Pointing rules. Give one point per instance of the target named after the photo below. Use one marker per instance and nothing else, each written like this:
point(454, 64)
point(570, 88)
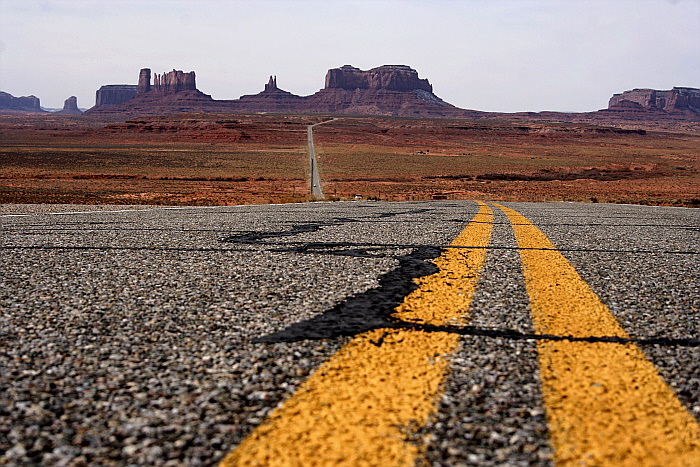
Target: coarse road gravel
point(127, 333)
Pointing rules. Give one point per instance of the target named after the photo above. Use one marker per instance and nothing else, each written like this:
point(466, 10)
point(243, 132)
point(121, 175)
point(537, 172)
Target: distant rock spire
point(144, 85)
point(271, 84)
point(70, 106)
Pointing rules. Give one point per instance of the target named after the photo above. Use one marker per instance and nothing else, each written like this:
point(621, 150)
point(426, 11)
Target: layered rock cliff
point(166, 83)
point(391, 90)
point(173, 82)
point(678, 99)
point(10, 103)
point(385, 90)
point(400, 78)
point(111, 95)
point(171, 92)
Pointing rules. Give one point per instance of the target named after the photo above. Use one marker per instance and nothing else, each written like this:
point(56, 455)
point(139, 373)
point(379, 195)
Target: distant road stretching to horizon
point(316, 190)
point(313, 164)
point(449, 332)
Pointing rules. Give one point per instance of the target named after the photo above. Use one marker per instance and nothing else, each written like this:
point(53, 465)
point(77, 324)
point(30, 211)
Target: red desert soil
point(216, 159)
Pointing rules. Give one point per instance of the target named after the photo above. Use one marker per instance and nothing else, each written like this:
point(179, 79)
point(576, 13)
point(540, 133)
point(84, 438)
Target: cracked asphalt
point(164, 336)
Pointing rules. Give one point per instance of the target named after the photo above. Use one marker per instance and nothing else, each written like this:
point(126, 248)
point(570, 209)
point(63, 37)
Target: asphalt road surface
point(447, 333)
point(316, 190)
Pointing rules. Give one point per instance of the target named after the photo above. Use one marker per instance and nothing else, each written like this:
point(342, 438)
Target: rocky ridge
point(676, 99)
point(388, 90)
point(10, 103)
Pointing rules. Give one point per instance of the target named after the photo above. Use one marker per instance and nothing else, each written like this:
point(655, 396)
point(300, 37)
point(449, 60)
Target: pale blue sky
point(493, 55)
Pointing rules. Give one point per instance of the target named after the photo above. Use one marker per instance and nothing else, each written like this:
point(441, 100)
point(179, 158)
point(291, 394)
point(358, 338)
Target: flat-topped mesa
point(23, 104)
point(388, 77)
point(110, 95)
point(678, 98)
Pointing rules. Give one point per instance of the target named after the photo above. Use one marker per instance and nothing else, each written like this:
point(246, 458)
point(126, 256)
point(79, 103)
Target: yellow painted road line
point(360, 407)
point(606, 403)
point(444, 297)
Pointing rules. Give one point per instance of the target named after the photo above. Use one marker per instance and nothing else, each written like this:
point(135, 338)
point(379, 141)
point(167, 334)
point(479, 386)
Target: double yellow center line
point(606, 404)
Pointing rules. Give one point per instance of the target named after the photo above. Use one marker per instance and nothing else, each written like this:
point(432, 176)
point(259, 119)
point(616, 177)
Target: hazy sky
point(493, 55)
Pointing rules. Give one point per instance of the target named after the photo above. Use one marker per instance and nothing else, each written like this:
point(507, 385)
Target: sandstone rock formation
point(385, 90)
point(166, 83)
point(111, 95)
point(271, 99)
point(174, 81)
point(144, 85)
point(390, 90)
point(673, 100)
point(390, 77)
point(10, 103)
point(170, 92)
point(70, 107)
point(271, 84)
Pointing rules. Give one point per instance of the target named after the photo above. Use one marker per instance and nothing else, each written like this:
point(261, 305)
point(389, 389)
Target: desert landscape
point(350, 233)
point(218, 159)
point(164, 142)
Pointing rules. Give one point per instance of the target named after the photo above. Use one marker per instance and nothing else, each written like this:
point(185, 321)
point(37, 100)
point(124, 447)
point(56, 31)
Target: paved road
point(167, 336)
point(316, 190)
